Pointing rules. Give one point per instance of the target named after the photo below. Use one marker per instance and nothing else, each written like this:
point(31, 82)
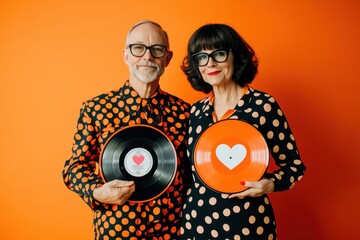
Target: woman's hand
point(114, 192)
point(256, 189)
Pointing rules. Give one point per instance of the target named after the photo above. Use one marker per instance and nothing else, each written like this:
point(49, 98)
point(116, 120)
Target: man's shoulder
point(104, 97)
point(175, 100)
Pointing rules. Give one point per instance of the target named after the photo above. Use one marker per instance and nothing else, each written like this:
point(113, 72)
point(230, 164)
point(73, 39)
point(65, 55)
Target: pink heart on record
point(138, 159)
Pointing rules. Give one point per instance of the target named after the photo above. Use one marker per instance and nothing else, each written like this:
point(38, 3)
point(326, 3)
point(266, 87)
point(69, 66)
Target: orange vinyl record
point(229, 152)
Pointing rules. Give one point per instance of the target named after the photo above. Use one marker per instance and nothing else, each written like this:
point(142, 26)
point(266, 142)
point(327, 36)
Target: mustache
point(147, 64)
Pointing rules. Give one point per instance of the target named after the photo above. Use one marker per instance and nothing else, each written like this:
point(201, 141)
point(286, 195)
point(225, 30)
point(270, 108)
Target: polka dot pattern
point(218, 217)
point(99, 118)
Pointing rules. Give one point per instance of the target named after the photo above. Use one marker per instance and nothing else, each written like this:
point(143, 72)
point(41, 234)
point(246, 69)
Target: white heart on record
point(231, 157)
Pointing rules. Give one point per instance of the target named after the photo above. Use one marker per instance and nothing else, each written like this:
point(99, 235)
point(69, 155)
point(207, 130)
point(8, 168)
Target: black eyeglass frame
point(150, 49)
point(210, 55)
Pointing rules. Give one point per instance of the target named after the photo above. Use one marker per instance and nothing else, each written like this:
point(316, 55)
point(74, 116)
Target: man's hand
point(114, 192)
point(256, 189)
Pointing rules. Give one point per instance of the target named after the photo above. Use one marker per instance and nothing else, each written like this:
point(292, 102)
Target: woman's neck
point(226, 98)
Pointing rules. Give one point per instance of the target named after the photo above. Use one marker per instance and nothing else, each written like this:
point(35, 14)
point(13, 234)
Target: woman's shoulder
point(260, 96)
point(200, 104)
point(259, 93)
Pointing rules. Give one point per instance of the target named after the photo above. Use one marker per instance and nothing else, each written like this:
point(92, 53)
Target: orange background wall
point(56, 54)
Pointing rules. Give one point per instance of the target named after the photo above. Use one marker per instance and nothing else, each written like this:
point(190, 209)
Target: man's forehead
point(147, 31)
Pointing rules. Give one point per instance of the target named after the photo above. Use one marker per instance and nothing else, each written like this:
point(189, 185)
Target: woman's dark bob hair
point(216, 36)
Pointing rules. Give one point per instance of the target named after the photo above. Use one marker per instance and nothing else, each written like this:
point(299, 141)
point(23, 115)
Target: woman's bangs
point(208, 40)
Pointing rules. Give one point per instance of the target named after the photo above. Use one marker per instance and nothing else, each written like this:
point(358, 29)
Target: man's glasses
point(156, 50)
point(218, 56)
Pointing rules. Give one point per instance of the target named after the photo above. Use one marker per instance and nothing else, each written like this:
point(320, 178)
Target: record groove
point(228, 152)
point(143, 154)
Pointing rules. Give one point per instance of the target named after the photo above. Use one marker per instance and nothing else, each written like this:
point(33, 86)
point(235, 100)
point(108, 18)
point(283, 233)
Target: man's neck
point(145, 90)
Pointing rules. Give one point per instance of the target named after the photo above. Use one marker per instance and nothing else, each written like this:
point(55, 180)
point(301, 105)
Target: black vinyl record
point(142, 154)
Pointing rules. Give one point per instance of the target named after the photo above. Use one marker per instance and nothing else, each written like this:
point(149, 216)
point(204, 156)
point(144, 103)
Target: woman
point(221, 63)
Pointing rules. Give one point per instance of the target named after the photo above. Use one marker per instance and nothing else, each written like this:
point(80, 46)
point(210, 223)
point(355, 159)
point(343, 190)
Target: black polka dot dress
point(208, 214)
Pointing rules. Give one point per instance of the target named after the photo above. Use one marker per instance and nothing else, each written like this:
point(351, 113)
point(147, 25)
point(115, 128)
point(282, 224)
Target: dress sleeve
point(81, 171)
point(282, 146)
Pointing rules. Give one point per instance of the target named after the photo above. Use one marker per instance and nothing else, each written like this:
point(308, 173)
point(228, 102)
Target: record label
point(229, 152)
point(138, 162)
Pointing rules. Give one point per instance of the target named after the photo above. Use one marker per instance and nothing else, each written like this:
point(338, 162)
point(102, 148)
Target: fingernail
point(242, 183)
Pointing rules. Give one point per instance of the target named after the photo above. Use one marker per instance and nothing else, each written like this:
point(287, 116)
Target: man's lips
point(214, 73)
point(146, 66)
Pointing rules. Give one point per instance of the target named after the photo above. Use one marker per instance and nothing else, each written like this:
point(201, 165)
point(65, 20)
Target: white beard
point(149, 75)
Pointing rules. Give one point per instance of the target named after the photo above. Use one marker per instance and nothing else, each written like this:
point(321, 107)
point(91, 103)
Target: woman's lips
point(213, 73)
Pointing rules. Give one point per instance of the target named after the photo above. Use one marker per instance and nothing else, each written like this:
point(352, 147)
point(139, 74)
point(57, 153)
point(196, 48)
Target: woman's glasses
point(218, 56)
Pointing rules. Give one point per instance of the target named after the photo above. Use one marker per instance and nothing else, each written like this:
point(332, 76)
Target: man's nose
point(147, 54)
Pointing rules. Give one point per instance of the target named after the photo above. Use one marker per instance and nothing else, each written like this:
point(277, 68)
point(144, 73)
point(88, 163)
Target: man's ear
point(168, 57)
point(125, 55)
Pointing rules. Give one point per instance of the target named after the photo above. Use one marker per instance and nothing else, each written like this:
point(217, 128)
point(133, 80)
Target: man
point(139, 101)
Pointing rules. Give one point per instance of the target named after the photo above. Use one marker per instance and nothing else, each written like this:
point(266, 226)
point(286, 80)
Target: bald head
point(148, 22)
